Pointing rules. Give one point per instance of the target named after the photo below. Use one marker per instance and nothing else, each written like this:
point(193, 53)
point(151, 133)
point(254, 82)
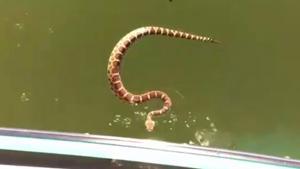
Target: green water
point(240, 95)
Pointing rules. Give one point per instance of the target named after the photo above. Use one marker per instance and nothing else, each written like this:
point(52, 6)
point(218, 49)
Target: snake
point(114, 68)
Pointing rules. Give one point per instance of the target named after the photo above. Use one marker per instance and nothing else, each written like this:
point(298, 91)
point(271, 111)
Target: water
point(241, 95)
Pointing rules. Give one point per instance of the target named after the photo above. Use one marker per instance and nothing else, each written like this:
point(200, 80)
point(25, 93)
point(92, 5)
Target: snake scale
point(117, 55)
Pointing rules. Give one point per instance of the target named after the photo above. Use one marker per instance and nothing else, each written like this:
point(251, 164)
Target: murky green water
point(242, 95)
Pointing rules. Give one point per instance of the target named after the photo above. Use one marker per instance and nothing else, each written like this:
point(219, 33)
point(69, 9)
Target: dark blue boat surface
point(21, 148)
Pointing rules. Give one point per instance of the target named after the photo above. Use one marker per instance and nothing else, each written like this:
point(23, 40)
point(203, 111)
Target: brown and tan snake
point(115, 59)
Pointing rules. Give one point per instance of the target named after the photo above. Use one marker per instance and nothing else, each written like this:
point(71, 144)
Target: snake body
point(117, 55)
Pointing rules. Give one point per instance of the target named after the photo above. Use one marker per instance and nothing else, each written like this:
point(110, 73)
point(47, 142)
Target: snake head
point(149, 123)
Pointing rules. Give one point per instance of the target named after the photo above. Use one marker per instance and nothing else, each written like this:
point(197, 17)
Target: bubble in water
point(205, 143)
point(173, 117)
point(24, 97)
point(203, 137)
point(191, 142)
point(207, 118)
point(18, 45)
point(117, 118)
point(19, 26)
point(212, 125)
point(126, 122)
point(214, 129)
point(140, 115)
point(198, 136)
point(50, 30)
point(190, 121)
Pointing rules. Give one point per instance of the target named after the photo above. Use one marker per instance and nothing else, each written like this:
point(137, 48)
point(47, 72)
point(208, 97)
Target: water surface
point(241, 95)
